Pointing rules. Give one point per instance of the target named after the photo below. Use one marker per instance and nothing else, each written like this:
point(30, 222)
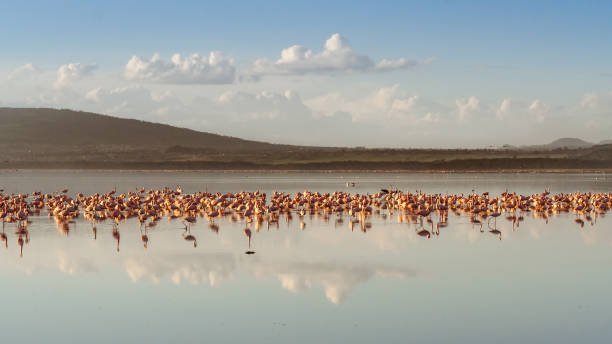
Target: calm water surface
point(544, 282)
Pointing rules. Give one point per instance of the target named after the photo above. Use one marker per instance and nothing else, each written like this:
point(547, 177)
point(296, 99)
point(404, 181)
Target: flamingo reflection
point(247, 232)
point(116, 235)
point(3, 237)
point(144, 237)
point(20, 243)
point(496, 232)
point(189, 237)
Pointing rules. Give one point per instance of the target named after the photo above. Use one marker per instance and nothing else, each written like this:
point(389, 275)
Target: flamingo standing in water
point(212, 215)
point(476, 221)
point(3, 214)
point(189, 220)
point(253, 208)
point(495, 215)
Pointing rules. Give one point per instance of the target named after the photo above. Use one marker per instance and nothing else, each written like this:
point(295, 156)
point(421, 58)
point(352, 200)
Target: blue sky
point(554, 52)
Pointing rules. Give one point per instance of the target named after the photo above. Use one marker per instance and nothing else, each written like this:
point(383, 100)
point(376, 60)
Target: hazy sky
point(398, 74)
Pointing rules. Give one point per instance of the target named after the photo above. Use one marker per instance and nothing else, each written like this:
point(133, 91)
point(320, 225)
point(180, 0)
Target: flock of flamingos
point(428, 212)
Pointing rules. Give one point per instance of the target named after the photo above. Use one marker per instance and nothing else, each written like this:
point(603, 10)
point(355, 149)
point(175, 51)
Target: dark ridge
point(569, 142)
point(563, 143)
point(42, 126)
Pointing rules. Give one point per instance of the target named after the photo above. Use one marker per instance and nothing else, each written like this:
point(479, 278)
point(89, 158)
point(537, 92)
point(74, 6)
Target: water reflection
point(67, 263)
point(201, 268)
point(323, 279)
point(337, 280)
point(3, 237)
point(301, 238)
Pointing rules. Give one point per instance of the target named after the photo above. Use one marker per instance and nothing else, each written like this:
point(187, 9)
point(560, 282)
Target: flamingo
point(495, 215)
point(475, 221)
point(190, 220)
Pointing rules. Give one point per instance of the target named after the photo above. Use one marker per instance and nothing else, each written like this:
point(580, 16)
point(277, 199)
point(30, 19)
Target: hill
point(562, 143)
point(66, 139)
point(41, 126)
point(569, 142)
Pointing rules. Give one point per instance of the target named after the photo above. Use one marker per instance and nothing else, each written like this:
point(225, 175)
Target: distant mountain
point(566, 142)
point(569, 142)
point(52, 127)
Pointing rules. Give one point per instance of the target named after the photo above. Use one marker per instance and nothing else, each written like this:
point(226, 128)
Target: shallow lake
point(545, 281)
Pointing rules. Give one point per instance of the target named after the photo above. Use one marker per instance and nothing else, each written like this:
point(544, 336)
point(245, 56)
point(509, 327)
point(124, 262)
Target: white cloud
point(119, 99)
point(352, 116)
point(216, 68)
point(268, 116)
point(386, 105)
point(23, 72)
point(504, 109)
point(389, 65)
point(68, 73)
point(263, 105)
point(278, 117)
point(337, 56)
point(589, 101)
point(600, 103)
point(539, 110)
point(135, 102)
point(595, 112)
point(466, 107)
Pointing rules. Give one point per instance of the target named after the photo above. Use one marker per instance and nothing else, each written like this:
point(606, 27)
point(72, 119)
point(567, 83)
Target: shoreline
point(320, 171)
point(481, 165)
